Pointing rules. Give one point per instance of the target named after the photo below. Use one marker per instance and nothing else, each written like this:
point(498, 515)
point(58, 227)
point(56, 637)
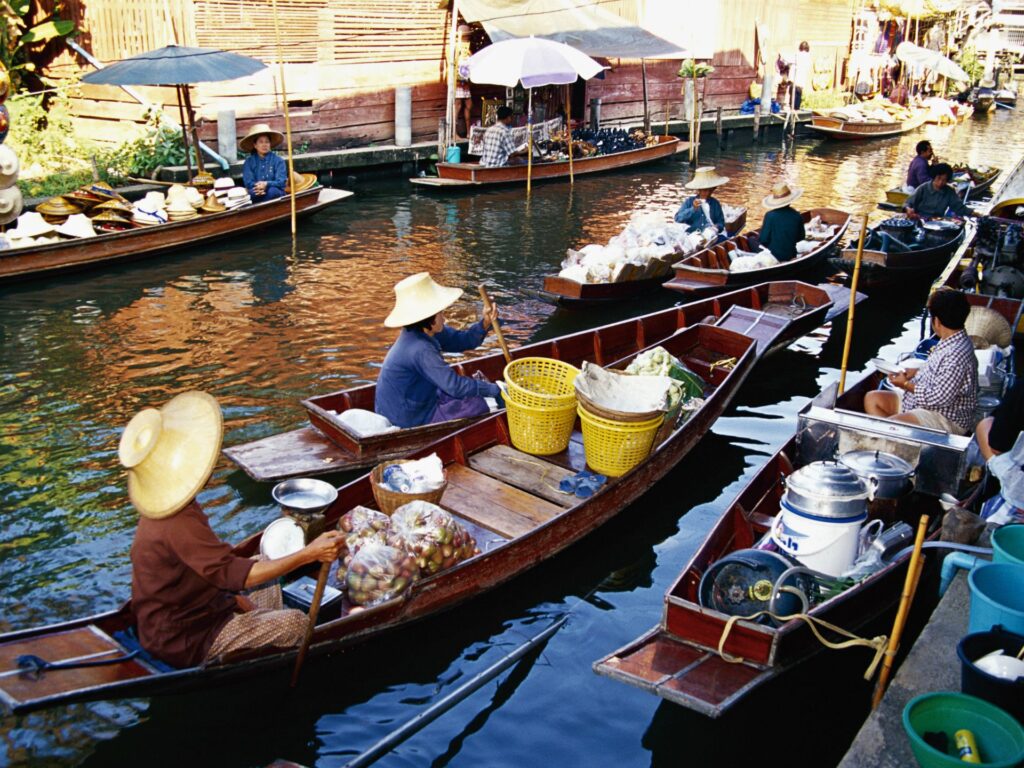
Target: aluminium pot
point(826, 489)
point(886, 475)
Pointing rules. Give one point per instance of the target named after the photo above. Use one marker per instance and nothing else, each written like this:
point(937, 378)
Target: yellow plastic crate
point(615, 447)
point(539, 431)
point(540, 382)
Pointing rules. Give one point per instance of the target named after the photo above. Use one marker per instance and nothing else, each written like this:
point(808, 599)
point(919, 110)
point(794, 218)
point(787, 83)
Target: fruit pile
point(378, 572)
point(360, 526)
point(431, 535)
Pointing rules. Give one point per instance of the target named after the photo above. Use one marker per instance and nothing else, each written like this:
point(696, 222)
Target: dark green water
point(260, 327)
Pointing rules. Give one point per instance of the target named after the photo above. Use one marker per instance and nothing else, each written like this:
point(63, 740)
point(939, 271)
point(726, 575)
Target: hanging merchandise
point(11, 202)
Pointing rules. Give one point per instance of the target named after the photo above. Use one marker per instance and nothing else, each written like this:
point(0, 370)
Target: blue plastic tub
point(1008, 544)
point(453, 155)
point(997, 597)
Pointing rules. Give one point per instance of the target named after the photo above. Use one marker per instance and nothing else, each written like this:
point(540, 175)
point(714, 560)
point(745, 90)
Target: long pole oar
point(909, 590)
point(497, 326)
point(314, 611)
point(853, 302)
point(287, 121)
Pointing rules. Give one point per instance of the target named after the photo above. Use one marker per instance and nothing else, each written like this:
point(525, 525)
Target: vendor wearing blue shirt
point(919, 171)
point(691, 213)
point(783, 226)
point(264, 173)
point(416, 386)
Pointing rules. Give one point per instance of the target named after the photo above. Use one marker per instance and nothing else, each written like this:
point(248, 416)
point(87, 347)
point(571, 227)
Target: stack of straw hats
point(57, 209)
point(179, 203)
point(237, 197)
point(150, 210)
point(32, 229)
point(77, 225)
point(10, 196)
point(112, 221)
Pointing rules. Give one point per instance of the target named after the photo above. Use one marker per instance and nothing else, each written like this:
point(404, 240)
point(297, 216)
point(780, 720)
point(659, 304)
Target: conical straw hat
point(301, 182)
point(706, 178)
point(418, 297)
point(986, 323)
point(170, 453)
point(781, 196)
point(246, 142)
point(77, 225)
point(30, 224)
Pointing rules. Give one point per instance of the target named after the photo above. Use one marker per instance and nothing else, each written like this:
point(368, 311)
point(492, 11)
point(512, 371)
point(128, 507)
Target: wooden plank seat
point(528, 473)
point(508, 510)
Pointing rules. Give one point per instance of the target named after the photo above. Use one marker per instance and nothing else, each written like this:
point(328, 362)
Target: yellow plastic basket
point(615, 447)
point(540, 431)
point(540, 382)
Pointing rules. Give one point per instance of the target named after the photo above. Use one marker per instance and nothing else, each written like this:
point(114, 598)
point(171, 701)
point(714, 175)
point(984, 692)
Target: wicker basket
point(988, 324)
point(388, 501)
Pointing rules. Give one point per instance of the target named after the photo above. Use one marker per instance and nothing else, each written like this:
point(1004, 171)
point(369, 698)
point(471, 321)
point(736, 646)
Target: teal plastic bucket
point(1008, 544)
point(997, 597)
point(453, 155)
point(999, 737)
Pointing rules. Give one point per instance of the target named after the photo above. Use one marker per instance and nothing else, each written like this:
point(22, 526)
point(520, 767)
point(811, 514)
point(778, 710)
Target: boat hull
point(847, 130)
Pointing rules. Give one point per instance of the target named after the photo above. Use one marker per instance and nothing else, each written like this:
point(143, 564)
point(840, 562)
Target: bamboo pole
point(287, 125)
point(853, 302)
point(666, 117)
point(568, 133)
point(452, 74)
point(693, 118)
point(497, 327)
point(184, 133)
point(190, 113)
point(647, 110)
point(529, 140)
point(914, 569)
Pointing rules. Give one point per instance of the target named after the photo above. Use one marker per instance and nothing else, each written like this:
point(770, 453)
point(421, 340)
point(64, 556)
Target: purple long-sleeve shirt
point(918, 174)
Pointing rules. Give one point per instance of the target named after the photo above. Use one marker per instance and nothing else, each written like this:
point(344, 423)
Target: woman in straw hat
point(783, 226)
point(416, 386)
point(264, 173)
point(701, 210)
point(187, 583)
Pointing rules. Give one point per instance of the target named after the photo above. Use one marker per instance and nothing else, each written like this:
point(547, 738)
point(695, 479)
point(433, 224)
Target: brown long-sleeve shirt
point(183, 584)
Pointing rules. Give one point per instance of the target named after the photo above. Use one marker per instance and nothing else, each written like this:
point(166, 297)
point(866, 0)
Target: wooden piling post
point(718, 126)
point(757, 123)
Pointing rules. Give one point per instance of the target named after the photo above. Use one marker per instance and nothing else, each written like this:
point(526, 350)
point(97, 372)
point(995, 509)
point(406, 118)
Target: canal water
point(261, 326)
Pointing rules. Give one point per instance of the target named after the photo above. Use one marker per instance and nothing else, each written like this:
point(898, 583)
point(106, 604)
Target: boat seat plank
point(714, 680)
point(528, 473)
point(304, 451)
point(657, 659)
point(494, 505)
point(87, 641)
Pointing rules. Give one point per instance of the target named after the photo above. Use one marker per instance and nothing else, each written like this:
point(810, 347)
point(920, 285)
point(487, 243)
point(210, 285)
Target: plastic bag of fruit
point(378, 573)
point(359, 526)
point(431, 535)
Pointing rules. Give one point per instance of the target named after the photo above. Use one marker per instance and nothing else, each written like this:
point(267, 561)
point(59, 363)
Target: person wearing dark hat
point(783, 226)
point(498, 147)
point(187, 584)
point(936, 197)
point(416, 386)
point(918, 172)
point(942, 394)
point(264, 173)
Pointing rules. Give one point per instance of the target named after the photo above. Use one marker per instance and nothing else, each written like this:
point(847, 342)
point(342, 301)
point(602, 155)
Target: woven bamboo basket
point(388, 501)
point(989, 325)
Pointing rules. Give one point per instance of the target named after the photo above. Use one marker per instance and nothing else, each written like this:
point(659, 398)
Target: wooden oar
point(497, 326)
point(853, 302)
point(314, 610)
point(909, 590)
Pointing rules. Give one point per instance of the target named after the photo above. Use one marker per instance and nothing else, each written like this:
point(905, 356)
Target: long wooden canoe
point(706, 272)
point(678, 659)
point(572, 295)
point(1010, 195)
point(463, 175)
point(880, 270)
point(852, 130)
point(328, 446)
point(142, 243)
point(506, 499)
point(974, 187)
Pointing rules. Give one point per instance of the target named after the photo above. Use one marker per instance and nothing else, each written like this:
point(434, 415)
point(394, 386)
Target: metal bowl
point(304, 495)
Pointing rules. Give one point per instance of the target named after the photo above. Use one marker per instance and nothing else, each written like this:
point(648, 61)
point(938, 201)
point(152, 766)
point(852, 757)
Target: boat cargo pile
point(873, 119)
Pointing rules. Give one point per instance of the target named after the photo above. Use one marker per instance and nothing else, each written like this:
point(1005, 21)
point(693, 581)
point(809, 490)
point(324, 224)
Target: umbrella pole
point(190, 113)
point(568, 128)
point(184, 133)
point(288, 137)
point(529, 138)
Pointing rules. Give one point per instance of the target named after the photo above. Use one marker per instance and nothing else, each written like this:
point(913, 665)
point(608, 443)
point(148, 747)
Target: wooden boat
point(678, 659)
point(142, 243)
point(983, 101)
point(706, 272)
point(880, 270)
point(461, 175)
point(838, 128)
point(506, 499)
point(1010, 195)
point(572, 295)
point(976, 186)
point(328, 446)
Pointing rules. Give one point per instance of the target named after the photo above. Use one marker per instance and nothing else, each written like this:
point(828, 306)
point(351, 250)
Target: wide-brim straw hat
point(706, 178)
point(170, 453)
point(153, 199)
point(225, 182)
point(57, 207)
point(77, 225)
point(116, 206)
point(83, 199)
point(418, 297)
point(177, 192)
point(301, 182)
point(246, 142)
point(102, 189)
point(11, 204)
point(987, 83)
point(781, 196)
point(30, 224)
point(9, 166)
point(986, 323)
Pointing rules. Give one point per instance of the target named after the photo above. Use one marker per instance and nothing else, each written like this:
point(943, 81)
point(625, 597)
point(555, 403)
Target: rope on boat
point(879, 643)
point(726, 364)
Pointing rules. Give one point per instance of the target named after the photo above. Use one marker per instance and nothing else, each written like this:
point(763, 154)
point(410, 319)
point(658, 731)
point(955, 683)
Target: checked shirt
point(498, 145)
point(948, 382)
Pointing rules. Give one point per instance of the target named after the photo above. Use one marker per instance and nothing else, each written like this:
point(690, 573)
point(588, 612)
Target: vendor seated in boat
point(918, 172)
point(936, 197)
point(943, 393)
point(783, 226)
point(416, 386)
point(997, 433)
point(498, 146)
point(187, 586)
point(701, 210)
point(264, 173)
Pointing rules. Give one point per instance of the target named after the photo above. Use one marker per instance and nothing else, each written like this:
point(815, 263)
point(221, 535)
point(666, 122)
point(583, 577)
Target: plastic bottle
point(396, 479)
point(966, 748)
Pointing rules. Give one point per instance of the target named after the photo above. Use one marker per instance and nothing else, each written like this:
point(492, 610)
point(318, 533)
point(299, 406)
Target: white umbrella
point(532, 61)
point(926, 58)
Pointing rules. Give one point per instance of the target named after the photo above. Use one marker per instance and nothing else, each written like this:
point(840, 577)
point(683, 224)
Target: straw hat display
point(212, 204)
point(11, 204)
point(112, 221)
point(9, 166)
point(706, 178)
point(30, 224)
point(246, 142)
point(150, 210)
point(986, 324)
point(418, 297)
point(117, 206)
point(237, 197)
point(202, 182)
point(83, 199)
point(57, 209)
point(781, 196)
point(102, 190)
point(180, 209)
point(223, 184)
point(170, 453)
point(77, 225)
point(301, 182)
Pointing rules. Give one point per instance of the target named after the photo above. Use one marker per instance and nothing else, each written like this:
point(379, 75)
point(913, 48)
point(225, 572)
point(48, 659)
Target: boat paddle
point(314, 610)
point(497, 326)
point(853, 302)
